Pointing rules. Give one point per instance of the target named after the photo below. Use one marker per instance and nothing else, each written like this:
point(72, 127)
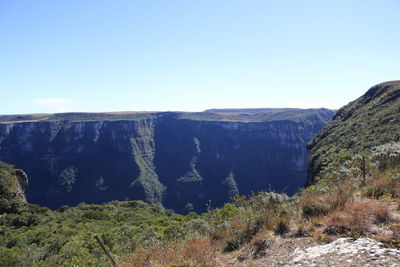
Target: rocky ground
point(343, 252)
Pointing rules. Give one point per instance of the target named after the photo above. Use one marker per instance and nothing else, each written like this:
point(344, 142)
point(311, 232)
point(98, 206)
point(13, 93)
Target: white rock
point(343, 246)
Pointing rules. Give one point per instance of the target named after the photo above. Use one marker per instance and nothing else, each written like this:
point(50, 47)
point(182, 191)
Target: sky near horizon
point(97, 55)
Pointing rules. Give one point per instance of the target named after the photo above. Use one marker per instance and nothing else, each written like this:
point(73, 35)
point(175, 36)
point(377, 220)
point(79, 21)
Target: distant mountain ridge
point(240, 115)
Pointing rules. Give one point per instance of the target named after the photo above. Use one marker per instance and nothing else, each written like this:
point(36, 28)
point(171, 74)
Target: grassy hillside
point(371, 120)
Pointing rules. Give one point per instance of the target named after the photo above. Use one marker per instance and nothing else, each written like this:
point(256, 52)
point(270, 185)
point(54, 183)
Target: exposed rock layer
point(179, 160)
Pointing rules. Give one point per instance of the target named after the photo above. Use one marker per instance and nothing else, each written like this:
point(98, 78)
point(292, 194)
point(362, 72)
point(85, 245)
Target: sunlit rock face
point(182, 161)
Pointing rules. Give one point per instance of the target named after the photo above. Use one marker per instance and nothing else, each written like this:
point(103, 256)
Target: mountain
point(180, 160)
point(369, 121)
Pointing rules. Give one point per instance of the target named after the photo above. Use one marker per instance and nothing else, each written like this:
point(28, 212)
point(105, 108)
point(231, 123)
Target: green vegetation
point(34, 235)
point(192, 175)
point(356, 193)
point(164, 158)
point(370, 121)
point(143, 151)
point(67, 178)
point(232, 186)
point(351, 198)
point(9, 183)
point(30, 234)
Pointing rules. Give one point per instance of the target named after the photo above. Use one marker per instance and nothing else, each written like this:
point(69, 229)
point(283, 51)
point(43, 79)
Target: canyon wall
point(182, 161)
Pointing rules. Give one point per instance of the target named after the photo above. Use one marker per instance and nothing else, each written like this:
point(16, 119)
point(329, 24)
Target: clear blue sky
point(192, 55)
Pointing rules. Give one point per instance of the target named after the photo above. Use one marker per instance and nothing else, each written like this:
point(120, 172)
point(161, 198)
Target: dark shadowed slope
point(176, 159)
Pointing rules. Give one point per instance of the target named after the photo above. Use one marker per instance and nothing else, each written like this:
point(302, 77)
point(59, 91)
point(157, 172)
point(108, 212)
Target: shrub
point(9, 206)
point(198, 226)
point(95, 215)
point(383, 185)
point(267, 201)
point(65, 237)
point(240, 231)
point(67, 178)
point(316, 205)
point(9, 257)
point(387, 155)
point(257, 248)
point(175, 232)
point(358, 217)
point(342, 194)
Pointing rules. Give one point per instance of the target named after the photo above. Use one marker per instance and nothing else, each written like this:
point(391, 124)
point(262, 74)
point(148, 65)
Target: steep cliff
point(369, 121)
point(178, 160)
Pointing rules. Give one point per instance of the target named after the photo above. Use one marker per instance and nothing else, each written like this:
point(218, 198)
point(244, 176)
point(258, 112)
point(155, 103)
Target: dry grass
point(303, 229)
point(241, 231)
point(195, 252)
point(342, 194)
point(383, 185)
point(315, 205)
point(282, 225)
point(257, 247)
point(357, 217)
point(322, 204)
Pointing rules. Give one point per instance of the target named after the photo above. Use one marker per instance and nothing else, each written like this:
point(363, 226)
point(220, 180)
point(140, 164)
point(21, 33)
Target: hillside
point(181, 161)
point(371, 120)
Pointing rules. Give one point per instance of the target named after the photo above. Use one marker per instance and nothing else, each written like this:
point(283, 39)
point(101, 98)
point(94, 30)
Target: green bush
point(65, 237)
point(9, 257)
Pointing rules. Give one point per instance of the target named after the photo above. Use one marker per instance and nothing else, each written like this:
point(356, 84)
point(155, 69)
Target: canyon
point(179, 160)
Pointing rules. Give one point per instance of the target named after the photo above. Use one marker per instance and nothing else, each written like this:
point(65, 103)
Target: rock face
point(178, 160)
point(346, 252)
point(369, 121)
point(305, 252)
point(22, 184)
